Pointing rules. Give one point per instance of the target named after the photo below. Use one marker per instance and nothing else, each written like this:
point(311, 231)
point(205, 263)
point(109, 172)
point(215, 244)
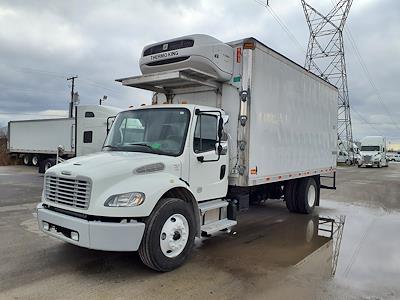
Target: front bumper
point(369, 164)
point(97, 235)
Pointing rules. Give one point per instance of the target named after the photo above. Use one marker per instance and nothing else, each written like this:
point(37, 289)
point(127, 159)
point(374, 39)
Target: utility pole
point(71, 104)
point(325, 57)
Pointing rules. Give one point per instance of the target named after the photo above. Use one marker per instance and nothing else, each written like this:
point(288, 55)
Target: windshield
point(369, 148)
point(154, 130)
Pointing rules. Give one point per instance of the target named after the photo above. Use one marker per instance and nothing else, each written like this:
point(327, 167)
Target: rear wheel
point(169, 235)
point(26, 159)
point(48, 163)
point(307, 195)
point(35, 160)
point(290, 195)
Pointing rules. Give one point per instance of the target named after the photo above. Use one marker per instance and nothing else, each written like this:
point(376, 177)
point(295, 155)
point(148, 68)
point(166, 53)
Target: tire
point(359, 166)
point(171, 219)
point(348, 162)
point(307, 196)
point(379, 164)
point(26, 159)
point(35, 160)
point(290, 195)
point(48, 163)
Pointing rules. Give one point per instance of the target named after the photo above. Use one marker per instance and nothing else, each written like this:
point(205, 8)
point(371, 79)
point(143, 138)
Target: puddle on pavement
point(342, 251)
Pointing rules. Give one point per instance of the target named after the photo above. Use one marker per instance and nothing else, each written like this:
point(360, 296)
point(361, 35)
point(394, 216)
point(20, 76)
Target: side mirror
point(110, 121)
point(221, 148)
point(220, 128)
point(60, 150)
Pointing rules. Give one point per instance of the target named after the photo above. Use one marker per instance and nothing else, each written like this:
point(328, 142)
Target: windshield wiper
point(110, 146)
point(154, 150)
point(141, 144)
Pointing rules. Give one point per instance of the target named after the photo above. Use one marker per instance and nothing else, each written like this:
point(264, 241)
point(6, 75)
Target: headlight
point(125, 200)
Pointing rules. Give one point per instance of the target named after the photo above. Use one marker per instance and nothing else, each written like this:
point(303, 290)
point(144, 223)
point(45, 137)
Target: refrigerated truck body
point(230, 124)
point(36, 141)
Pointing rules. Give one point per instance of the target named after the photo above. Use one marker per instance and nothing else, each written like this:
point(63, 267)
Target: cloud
point(44, 42)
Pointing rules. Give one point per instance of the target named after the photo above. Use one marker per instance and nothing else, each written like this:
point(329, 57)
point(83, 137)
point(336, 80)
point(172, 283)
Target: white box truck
point(230, 124)
point(373, 152)
point(36, 141)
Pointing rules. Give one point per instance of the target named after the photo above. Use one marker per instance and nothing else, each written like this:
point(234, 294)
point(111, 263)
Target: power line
point(365, 121)
point(368, 74)
point(30, 114)
point(87, 81)
point(281, 23)
point(369, 78)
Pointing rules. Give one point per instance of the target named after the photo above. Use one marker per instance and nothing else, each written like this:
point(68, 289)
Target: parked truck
point(36, 141)
point(230, 124)
point(373, 152)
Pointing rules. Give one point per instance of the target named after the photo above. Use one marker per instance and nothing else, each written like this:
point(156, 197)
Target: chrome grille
point(367, 158)
point(74, 192)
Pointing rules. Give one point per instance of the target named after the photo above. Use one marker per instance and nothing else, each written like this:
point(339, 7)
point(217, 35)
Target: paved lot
point(270, 254)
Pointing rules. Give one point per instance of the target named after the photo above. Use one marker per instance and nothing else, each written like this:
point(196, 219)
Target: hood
point(113, 164)
point(371, 153)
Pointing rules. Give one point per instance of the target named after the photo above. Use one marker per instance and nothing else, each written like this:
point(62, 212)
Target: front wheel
point(169, 235)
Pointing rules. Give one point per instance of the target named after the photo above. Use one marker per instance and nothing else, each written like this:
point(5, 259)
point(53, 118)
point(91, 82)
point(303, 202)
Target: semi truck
point(230, 124)
point(36, 141)
point(373, 152)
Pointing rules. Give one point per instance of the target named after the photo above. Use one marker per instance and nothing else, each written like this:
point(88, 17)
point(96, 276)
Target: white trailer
point(230, 124)
point(373, 152)
point(36, 141)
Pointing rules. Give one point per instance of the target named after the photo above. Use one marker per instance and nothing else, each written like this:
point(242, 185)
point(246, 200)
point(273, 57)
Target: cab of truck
point(175, 152)
point(373, 152)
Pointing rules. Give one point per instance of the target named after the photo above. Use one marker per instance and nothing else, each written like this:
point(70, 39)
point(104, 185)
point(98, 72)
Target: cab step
point(216, 226)
point(210, 205)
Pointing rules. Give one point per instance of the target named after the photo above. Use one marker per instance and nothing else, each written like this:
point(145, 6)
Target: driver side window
point(205, 134)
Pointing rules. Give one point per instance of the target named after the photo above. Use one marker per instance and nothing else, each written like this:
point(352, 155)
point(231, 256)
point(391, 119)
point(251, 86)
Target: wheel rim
point(26, 160)
point(174, 235)
point(34, 160)
point(311, 195)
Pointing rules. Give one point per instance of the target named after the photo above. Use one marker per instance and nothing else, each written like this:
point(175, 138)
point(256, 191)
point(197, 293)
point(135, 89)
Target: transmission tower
point(325, 57)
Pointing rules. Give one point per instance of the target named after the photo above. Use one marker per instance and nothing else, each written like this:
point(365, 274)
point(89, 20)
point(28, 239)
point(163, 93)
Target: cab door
point(208, 165)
